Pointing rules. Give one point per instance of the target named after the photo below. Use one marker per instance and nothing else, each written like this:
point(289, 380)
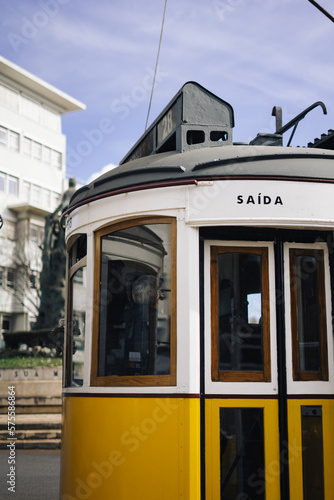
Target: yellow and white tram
point(200, 281)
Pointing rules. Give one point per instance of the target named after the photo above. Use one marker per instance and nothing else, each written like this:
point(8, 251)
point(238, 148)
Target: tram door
point(267, 388)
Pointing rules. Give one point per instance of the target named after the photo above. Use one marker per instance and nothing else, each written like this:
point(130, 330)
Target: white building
point(32, 178)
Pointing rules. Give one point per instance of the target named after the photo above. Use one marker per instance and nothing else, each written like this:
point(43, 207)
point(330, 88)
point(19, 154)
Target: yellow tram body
point(199, 347)
point(144, 427)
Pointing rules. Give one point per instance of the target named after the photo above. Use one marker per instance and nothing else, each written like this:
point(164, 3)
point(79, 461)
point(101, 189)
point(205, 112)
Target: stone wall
point(37, 390)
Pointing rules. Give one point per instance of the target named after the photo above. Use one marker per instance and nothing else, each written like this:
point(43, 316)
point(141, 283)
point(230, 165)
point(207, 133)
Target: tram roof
point(191, 141)
point(190, 167)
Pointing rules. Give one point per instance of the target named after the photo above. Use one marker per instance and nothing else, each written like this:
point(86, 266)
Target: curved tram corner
point(200, 279)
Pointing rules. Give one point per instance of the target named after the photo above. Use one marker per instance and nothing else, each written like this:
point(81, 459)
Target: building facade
point(32, 179)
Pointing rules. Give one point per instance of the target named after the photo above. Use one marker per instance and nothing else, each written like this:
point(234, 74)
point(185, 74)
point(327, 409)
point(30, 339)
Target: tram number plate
point(167, 124)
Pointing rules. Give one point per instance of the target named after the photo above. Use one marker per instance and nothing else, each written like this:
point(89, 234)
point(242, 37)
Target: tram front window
point(240, 313)
point(134, 335)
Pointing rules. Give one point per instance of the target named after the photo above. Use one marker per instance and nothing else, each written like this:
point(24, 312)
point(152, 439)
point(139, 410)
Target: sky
point(254, 54)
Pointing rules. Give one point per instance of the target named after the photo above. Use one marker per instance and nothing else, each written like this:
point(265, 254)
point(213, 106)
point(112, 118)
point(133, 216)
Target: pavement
point(36, 474)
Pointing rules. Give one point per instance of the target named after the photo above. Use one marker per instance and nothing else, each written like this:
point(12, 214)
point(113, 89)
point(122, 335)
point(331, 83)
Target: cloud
point(103, 170)
point(252, 54)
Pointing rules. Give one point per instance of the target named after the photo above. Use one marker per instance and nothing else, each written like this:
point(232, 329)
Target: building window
point(27, 146)
point(9, 98)
point(31, 149)
point(9, 139)
point(308, 314)
point(50, 119)
point(13, 184)
point(26, 191)
point(32, 193)
point(30, 108)
point(10, 281)
point(6, 324)
point(13, 140)
point(46, 198)
point(56, 159)
point(240, 314)
point(36, 194)
point(3, 137)
point(36, 234)
point(9, 184)
point(46, 155)
point(36, 151)
point(134, 325)
point(7, 277)
point(2, 182)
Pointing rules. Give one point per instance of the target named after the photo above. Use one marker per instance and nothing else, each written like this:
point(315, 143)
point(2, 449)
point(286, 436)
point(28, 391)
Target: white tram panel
point(126, 206)
point(230, 202)
point(261, 203)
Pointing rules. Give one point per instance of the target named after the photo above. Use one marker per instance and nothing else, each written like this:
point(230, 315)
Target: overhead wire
point(327, 14)
point(156, 64)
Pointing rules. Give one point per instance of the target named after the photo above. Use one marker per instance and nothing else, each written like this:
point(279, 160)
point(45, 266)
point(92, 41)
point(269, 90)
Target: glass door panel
point(311, 449)
point(308, 314)
point(240, 314)
point(242, 450)
point(312, 452)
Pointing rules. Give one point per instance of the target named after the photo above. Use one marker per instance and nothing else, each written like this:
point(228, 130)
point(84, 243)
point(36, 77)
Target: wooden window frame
point(322, 374)
point(238, 375)
point(139, 380)
point(71, 270)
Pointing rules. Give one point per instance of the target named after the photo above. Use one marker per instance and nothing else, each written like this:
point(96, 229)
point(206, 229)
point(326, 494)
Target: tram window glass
point(313, 456)
point(242, 453)
point(77, 312)
point(78, 250)
point(135, 340)
point(78, 324)
point(240, 312)
point(308, 314)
